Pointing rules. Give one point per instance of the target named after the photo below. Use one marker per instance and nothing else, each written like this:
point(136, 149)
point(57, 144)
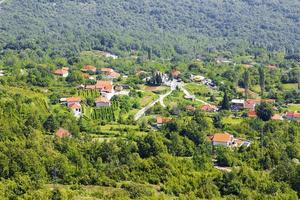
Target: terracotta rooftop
point(222, 137)
point(251, 114)
point(104, 85)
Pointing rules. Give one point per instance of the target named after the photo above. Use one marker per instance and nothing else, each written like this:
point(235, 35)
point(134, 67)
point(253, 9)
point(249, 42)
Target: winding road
point(173, 84)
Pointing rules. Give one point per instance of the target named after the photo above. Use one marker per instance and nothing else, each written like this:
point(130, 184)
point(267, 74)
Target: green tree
point(264, 111)
point(50, 124)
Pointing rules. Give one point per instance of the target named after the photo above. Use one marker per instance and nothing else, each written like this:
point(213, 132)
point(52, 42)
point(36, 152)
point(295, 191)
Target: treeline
point(164, 27)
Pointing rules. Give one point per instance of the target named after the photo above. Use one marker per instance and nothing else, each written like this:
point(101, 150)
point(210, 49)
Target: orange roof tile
point(89, 68)
point(73, 99)
point(251, 114)
point(61, 133)
point(104, 86)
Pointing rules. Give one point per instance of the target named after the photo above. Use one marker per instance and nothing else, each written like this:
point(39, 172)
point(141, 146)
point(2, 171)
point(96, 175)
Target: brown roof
point(163, 120)
point(293, 114)
point(61, 133)
point(102, 100)
point(89, 68)
point(222, 137)
point(73, 99)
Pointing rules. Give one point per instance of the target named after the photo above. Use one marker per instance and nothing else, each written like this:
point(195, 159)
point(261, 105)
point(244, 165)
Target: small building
point(89, 68)
point(87, 76)
point(250, 104)
point(209, 108)
point(237, 104)
point(72, 100)
point(190, 108)
point(102, 102)
point(110, 73)
point(76, 109)
point(102, 86)
point(64, 72)
point(162, 120)
point(292, 116)
point(224, 139)
point(175, 73)
point(62, 133)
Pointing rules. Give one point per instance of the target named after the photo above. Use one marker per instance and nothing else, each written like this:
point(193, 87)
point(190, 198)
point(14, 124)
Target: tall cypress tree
point(261, 80)
point(246, 83)
point(225, 105)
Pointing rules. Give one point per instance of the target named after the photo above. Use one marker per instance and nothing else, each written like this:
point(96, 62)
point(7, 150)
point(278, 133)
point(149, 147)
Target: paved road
point(190, 96)
point(140, 113)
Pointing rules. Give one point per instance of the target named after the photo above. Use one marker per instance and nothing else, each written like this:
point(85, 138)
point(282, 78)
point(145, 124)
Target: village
point(108, 83)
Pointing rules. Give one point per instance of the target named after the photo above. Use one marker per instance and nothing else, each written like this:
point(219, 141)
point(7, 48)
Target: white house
point(102, 102)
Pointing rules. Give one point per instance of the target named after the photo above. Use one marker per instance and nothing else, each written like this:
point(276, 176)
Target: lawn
point(232, 121)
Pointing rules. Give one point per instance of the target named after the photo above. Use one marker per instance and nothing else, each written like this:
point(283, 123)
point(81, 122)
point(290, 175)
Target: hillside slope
point(168, 26)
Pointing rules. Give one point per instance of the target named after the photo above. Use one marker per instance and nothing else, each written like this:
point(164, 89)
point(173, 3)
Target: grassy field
point(294, 107)
point(290, 86)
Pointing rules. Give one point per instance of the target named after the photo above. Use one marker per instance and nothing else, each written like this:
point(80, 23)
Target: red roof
point(73, 99)
point(60, 72)
point(222, 137)
point(75, 106)
point(251, 103)
point(251, 114)
point(61, 133)
point(102, 100)
point(89, 68)
point(163, 120)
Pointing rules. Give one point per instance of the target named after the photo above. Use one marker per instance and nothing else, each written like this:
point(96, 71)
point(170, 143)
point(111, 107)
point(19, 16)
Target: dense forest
point(186, 27)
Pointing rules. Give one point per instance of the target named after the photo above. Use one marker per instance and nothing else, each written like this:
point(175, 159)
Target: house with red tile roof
point(277, 117)
point(64, 72)
point(76, 109)
point(73, 100)
point(62, 133)
point(295, 116)
point(175, 73)
point(110, 73)
point(102, 85)
point(224, 139)
point(252, 114)
point(209, 108)
point(89, 68)
point(227, 140)
point(102, 102)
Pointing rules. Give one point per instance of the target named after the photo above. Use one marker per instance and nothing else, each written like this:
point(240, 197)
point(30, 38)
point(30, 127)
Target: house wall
point(221, 143)
point(102, 104)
